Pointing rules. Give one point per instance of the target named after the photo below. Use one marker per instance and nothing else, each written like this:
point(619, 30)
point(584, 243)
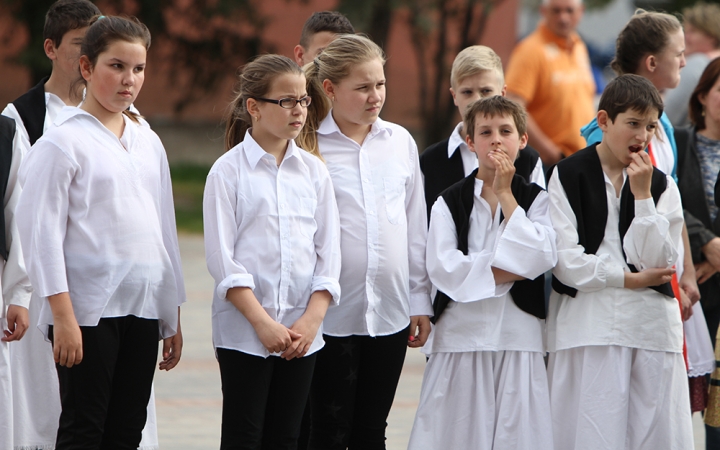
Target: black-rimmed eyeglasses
point(287, 103)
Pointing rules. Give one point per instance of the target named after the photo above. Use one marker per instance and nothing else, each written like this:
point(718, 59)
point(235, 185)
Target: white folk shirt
point(96, 219)
point(53, 106)
point(15, 284)
point(470, 162)
point(273, 229)
point(383, 227)
point(604, 312)
point(483, 315)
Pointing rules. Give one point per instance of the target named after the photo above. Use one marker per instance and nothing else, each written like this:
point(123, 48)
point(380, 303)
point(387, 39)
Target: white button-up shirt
point(483, 315)
point(383, 222)
point(604, 312)
point(96, 219)
point(470, 162)
point(274, 229)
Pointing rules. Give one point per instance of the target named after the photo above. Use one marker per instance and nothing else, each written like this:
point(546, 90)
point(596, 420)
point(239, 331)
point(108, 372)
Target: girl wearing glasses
point(386, 292)
point(272, 244)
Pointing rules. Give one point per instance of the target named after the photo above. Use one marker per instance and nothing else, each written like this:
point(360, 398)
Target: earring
point(703, 112)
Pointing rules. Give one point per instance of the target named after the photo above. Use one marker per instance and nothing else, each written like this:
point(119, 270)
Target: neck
point(113, 121)
point(610, 164)
point(270, 143)
point(356, 132)
point(485, 174)
point(711, 131)
point(59, 85)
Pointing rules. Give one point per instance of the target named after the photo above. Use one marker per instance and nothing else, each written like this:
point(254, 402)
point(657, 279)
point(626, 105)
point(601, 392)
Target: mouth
point(373, 109)
point(126, 94)
point(635, 148)
point(296, 124)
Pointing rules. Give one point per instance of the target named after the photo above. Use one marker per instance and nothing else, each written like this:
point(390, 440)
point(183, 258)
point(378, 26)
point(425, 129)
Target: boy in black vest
point(615, 333)
point(489, 243)
point(476, 73)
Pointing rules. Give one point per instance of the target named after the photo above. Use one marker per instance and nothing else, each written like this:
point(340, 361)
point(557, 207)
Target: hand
point(18, 321)
point(703, 271)
point(689, 286)
point(686, 305)
point(172, 350)
point(711, 250)
point(422, 325)
point(640, 173)
point(648, 277)
point(306, 327)
point(275, 337)
point(67, 345)
point(504, 171)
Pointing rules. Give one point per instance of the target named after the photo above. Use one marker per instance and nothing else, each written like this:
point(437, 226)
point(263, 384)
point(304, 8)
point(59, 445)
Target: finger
point(166, 348)
point(56, 353)
point(294, 334)
point(292, 351)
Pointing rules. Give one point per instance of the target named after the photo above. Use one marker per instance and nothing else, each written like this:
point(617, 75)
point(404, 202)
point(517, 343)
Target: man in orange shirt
point(549, 73)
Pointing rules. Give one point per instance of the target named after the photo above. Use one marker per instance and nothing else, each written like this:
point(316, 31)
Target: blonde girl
point(272, 245)
point(383, 227)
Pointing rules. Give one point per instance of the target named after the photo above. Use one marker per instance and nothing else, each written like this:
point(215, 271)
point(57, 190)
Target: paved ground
point(189, 397)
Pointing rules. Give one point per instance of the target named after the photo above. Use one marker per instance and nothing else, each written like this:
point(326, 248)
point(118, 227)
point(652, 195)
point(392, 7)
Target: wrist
point(643, 195)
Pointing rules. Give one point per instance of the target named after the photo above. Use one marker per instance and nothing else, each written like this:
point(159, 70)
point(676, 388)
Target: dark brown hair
point(331, 21)
point(255, 80)
point(495, 106)
point(647, 33)
point(103, 32)
point(707, 81)
point(630, 92)
point(67, 15)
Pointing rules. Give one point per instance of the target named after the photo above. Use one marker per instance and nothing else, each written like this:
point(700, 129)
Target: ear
point(86, 68)
point(504, 91)
point(252, 107)
point(452, 92)
point(702, 98)
point(650, 63)
point(49, 48)
point(328, 88)
point(603, 120)
point(469, 142)
point(299, 52)
point(523, 141)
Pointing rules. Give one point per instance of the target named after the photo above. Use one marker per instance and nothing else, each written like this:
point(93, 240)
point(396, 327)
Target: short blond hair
point(474, 60)
point(706, 18)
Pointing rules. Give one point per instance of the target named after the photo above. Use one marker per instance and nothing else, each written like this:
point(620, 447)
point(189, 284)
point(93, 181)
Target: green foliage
point(188, 182)
point(30, 14)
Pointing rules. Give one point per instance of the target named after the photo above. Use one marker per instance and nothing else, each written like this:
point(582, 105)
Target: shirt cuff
point(20, 296)
point(421, 305)
point(614, 276)
point(235, 280)
point(327, 284)
point(645, 207)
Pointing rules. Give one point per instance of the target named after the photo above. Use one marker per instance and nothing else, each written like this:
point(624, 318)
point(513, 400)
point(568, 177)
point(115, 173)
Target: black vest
point(582, 178)
point(441, 172)
point(7, 133)
point(528, 295)
point(31, 108)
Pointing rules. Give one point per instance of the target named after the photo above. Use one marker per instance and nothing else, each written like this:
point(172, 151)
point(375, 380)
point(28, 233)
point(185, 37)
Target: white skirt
point(701, 357)
point(483, 401)
point(614, 398)
point(36, 395)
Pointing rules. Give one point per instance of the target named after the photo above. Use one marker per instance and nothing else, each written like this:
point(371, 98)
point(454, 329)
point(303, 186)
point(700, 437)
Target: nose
point(682, 61)
point(128, 78)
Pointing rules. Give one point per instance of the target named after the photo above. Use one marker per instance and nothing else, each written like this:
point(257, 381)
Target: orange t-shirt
point(554, 77)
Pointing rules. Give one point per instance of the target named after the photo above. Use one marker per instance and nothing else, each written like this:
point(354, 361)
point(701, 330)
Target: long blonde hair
point(254, 81)
point(334, 63)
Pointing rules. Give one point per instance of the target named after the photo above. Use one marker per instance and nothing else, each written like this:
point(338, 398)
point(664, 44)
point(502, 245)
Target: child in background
point(476, 73)
point(319, 30)
point(616, 370)
point(486, 350)
point(272, 244)
point(110, 284)
point(386, 292)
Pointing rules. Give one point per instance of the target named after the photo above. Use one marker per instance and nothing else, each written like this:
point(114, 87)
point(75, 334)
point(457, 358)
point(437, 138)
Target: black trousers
point(353, 389)
point(263, 400)
point(104, 398)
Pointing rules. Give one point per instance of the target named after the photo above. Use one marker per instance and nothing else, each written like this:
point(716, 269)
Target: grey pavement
point(189, 400)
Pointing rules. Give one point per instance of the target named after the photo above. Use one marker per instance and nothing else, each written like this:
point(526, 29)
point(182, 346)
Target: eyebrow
point(124, 62)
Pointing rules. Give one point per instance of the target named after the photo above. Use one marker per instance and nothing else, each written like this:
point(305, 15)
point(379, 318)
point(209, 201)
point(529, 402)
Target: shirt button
point(366, 180)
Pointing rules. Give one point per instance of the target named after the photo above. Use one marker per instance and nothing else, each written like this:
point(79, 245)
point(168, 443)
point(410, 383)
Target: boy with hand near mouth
point(615, 335)
point(486, 349)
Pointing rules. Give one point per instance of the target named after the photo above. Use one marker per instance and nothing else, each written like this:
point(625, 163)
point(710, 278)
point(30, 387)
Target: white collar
point(254, 153)
point(455, 140)
point(329, 126)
